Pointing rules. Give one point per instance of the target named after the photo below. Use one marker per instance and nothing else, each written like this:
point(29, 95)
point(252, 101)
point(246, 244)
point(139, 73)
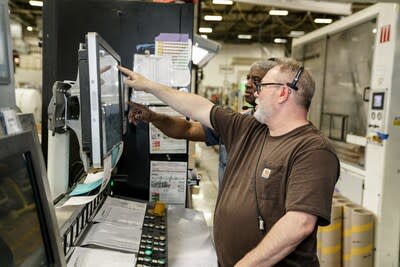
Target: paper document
point(85, 187)
point(154, 68)
point(88, 257)
point(122, 238)
point(92, 177)
point(121, 212)
point(159, 142)
point(106, 175)
point(168, 179)
point(76, 201)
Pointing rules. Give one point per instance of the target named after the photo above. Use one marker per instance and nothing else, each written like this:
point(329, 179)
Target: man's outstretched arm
point(193, 106)
point(171, 126)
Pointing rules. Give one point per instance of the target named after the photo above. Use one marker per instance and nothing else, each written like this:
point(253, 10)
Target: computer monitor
point(4, 56)
point(29, 234)
point(101, 96)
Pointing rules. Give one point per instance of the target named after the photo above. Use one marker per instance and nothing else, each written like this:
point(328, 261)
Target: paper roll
point(337, 196)
point(346, 250)
point(362, 238)
point(331, 239)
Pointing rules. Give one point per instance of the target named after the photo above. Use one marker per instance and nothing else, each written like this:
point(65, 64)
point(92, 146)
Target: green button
point(148, 259)
point(148, 252)
point(161, 261)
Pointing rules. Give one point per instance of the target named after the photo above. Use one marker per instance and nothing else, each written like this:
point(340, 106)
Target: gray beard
point(260, 115)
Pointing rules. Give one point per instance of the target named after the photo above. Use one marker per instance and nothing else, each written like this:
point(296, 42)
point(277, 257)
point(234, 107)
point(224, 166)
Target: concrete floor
point(205, 195)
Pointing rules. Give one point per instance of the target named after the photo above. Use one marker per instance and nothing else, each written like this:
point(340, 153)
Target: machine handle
point(366, 93)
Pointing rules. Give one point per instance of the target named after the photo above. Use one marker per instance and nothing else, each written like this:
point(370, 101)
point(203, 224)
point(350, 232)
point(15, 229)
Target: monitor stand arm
point(63, 114)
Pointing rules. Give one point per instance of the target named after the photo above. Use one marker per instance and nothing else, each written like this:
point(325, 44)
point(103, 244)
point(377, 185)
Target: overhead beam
point(305, 5)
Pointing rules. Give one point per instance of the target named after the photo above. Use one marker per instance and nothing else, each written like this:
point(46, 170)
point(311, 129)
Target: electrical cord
point(260, 218)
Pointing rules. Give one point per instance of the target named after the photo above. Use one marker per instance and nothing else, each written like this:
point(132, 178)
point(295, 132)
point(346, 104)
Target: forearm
point(190, 105)
point(280, 241)
point(178, 128)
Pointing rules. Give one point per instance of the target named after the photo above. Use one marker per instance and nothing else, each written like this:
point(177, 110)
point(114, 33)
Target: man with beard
point(194, 131)
point(281, 170)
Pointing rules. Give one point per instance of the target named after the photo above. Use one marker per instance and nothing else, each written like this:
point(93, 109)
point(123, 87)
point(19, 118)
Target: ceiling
point(239, 18)
point(24, 13)
point(254, 19)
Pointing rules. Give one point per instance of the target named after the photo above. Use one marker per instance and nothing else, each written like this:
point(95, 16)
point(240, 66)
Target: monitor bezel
point(93, 41)
point(26, 144)
point(6, 78)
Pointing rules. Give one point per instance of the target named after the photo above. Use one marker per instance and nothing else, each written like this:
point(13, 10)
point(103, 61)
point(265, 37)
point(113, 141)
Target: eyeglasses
point(259, 86)
point(292, 85)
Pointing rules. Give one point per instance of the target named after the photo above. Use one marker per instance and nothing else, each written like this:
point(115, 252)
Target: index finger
point(124, 70)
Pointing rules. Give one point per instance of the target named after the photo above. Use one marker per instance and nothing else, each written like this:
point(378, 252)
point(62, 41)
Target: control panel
point(376, 121)
point(153, 248)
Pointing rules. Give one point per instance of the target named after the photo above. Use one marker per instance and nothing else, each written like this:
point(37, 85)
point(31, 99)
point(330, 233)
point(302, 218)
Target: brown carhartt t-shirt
point(293, 172)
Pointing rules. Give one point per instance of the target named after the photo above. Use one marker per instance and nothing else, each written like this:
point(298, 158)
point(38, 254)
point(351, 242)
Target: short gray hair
point(306, 84)
point(265, 65)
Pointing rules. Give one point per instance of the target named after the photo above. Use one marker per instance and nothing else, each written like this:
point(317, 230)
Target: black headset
point(296, 79)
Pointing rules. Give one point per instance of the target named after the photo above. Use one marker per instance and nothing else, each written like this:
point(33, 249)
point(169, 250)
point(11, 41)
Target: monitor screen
point(377, 100)
point(26, 226)
point(110, 100)
point(101, 99)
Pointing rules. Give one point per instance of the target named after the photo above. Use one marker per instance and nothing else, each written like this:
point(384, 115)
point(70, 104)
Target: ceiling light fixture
point(296, 33)
point(244, 36)
point(36, 3)
point(212, 18)
point(29, 28)
point(322, 21)
point(280, 41)
point(321, 7)
point(203, 50)
point(205, 30)
point(204, 36)
point(277, 12)
point(222, 2)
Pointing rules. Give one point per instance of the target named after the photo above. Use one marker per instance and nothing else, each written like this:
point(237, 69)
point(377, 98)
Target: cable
point(260, 218)
point(291, 27)
point(250, 23)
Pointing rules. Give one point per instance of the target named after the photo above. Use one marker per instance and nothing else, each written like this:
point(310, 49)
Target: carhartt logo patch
point(266, 172)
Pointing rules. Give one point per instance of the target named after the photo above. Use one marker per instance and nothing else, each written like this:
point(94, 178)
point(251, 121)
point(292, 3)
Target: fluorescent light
point(296, 33)
point(276, 12)
point(212, 18)
point(204, 36)
point(322, 21)
point(198, 54)
point(244, 36)
point(29, 28)
point(205, 30)
point(280, 40)
point(203, 50)
point(320, 7)
point(36, 3)
point(222, 2)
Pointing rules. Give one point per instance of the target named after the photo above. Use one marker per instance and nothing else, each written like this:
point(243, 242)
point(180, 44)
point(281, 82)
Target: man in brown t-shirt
point(280, 175)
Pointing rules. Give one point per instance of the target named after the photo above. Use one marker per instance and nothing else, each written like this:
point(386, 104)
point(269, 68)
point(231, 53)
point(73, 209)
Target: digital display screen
point(4, 64)
point(21, 236)
point(377, 100)
point(110, 100)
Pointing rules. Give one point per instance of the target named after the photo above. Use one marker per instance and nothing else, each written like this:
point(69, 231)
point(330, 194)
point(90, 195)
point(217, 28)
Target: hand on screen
point(105, 68)
point(138, 113)
point(135, 80)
